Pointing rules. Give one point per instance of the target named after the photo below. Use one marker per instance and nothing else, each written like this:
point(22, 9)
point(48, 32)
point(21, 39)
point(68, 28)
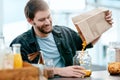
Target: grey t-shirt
point(49, 50)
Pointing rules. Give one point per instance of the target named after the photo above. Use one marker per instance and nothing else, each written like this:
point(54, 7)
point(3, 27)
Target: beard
point(45, 32)
point(42, 28)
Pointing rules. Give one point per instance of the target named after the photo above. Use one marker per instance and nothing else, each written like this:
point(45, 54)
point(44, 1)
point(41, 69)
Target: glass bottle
point(18, 63)
point(1, 51)
point(41, 61)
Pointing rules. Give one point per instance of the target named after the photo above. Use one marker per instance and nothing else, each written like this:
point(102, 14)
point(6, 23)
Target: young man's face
point(42, 22)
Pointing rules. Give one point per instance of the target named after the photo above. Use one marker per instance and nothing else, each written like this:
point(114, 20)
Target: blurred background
point(13, 21)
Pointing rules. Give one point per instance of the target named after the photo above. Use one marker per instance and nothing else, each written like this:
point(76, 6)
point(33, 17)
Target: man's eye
point(41, 20)
point(48, 17)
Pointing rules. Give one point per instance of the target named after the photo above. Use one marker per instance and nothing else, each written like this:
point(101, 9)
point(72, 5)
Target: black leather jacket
point(67, 41)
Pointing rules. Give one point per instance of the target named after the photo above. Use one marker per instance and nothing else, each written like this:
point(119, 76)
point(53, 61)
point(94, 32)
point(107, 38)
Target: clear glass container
point(76, 59)
point(2, 45)
point(18, 63)
point(49, 67)
point(82, 58)
point(113, 52)
point(8, 58)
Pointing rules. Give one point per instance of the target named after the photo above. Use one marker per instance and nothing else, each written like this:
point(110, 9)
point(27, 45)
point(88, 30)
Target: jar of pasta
point(83, 59)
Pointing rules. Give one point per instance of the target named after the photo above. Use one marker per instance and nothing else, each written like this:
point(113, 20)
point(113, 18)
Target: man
point(56, 42)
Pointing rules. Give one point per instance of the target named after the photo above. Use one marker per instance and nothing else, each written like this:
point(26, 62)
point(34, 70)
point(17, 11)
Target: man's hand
point(108, 17)
point(70, 71)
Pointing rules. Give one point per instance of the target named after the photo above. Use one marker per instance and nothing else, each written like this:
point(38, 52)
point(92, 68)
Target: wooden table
point(96, 75)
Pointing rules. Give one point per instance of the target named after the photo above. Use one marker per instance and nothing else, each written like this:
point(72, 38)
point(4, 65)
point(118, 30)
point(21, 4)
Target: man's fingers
point(78, 67)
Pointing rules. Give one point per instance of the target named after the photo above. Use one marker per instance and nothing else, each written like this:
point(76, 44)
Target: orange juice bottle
point(18, 63)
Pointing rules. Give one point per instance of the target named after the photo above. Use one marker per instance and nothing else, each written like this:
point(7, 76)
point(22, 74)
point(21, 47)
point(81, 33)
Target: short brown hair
point(33, 6)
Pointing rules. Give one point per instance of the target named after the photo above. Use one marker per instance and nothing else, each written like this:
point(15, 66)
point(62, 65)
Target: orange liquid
point(18, 63)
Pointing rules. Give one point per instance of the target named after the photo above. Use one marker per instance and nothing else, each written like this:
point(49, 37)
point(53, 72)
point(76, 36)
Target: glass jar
point(8, 58)
point(82, 58)
point(113, 52)
point(76, 59)
point(49, 67)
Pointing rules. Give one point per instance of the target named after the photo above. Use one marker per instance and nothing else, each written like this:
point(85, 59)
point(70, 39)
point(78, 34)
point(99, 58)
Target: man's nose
point(47, 21)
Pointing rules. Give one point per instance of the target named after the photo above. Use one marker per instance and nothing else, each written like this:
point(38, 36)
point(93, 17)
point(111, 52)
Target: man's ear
point(30, 21)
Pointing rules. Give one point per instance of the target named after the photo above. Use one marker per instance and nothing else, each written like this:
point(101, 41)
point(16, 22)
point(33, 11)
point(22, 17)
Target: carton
point(91, 25)
point(28, 72)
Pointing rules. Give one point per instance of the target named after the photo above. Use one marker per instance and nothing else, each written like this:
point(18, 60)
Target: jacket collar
point(31, 38)
point(56, 31)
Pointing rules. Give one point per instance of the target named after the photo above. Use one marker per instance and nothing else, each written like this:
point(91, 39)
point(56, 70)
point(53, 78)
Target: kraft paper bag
point(90, 25)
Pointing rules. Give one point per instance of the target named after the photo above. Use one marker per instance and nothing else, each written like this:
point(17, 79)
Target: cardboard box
point(92, 24)
point(28, 72)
